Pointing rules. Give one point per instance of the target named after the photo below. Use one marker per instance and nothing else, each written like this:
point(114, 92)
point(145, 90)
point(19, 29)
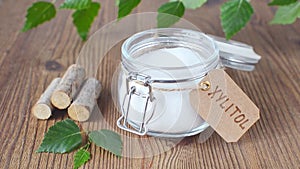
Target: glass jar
point(159, 69)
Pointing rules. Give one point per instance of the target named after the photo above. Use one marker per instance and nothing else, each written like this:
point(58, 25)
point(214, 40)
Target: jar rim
point(209, 62)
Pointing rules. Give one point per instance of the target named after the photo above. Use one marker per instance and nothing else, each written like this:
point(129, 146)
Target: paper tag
point(224, 106)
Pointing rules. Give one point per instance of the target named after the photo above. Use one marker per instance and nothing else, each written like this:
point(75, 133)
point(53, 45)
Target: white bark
point(68, 87)
point(85, 101)
point(43, 107)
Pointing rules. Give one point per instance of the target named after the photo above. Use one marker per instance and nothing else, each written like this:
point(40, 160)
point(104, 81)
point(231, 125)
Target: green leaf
point(62, 137)
point(169, 13)
point(191, 4)
point(38, 13)
point(75, 4)
point(126, 6)
point(108, 140)
point(287, 14)
point(282, 2)
point(81, 157)
point(117, 2)
point(84, 18)
point(235, 14)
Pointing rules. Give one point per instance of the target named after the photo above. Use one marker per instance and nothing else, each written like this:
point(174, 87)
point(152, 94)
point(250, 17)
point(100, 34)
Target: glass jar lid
point(236, 55)
point(195, 51)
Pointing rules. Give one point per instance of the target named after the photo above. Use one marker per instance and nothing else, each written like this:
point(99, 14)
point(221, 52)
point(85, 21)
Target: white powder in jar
point(172, 112)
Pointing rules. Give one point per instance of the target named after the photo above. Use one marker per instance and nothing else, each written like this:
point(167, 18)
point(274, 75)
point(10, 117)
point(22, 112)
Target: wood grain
point(29, 61)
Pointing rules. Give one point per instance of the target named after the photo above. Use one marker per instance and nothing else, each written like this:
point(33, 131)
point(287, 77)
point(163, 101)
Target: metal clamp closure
point(144, 82)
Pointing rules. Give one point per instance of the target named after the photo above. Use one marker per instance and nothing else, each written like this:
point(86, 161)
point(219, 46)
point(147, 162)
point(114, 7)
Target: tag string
point(204, 86)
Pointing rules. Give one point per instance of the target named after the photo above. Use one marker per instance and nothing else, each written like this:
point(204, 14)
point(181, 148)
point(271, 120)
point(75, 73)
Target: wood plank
point(29, 61)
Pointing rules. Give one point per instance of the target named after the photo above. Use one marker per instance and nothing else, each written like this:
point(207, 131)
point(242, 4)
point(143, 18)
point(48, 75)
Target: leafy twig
point(82, 156)
point(235, 14)
point(65, 136)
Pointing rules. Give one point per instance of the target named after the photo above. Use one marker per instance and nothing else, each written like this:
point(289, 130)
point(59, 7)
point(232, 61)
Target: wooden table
point(29, 61)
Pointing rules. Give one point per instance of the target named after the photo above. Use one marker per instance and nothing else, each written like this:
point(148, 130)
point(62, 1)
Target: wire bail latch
point(138, 85)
